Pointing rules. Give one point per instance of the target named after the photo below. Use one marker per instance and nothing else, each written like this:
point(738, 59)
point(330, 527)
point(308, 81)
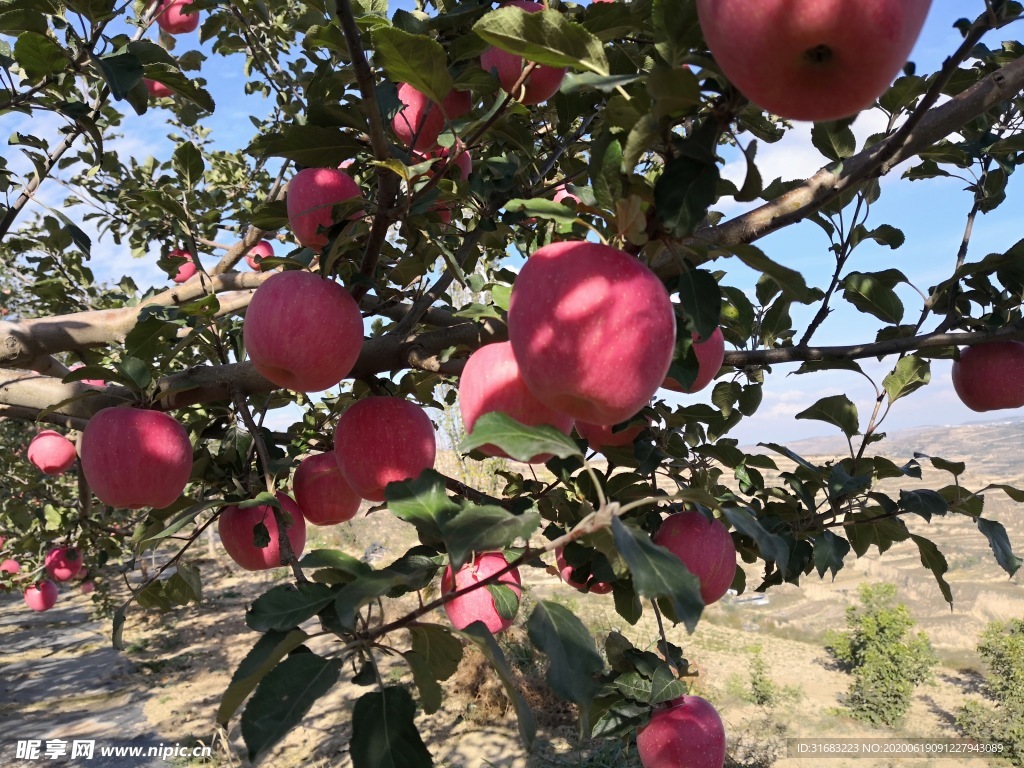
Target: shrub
point(1002, 648)
point(886, 660)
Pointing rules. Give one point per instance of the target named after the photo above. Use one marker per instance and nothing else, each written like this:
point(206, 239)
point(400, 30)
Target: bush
point(885, 659)
point(1002, 648)
point(763, 690)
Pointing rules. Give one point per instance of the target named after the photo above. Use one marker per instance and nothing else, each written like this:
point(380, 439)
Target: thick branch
point(743, 359)
point(873, 162)
point(28, 340)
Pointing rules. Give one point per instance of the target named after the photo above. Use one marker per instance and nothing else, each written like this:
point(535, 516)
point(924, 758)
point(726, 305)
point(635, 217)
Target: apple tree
point(528, 195)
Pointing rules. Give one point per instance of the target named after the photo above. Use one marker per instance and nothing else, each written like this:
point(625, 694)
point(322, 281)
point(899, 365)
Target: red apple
point(322, 492)
point(543, 82)
point(710, 355)
point(90, 382)
point(565, 571)
point(420, 118)
point(63, 563)
point(989, 377)
point(600, 436)
point(592, 329)
point(562, 195)
point(704, 547)
point(263, 249)
point(381, 440)
point(87, 587)
point(42, 596)
point(235, 527)
point(491, 382)
point(172, 17)
point(687, 734)
point(303, 332)
point(156, 90)
point(187, 268)
point(312, 194)
point(136, 458)
point(10, 566)
point(51, 452)
point(812, 59)
point(463, 160)
point(478, 605)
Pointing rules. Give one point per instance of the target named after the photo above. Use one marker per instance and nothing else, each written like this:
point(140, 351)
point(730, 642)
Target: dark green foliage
point(886, 659)
point(1002, 648)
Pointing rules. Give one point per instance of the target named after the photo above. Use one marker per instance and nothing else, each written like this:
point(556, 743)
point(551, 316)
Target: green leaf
point(885, 234)
point(752, 183)
point(284, 697)
point(339, 561)
point(665, 686)
point(772, 546)
point(956, 468)
point(94, 10)
point(789, 454)
point(481, 529)
point(122, 71)
point(137, 371)
point(910, 374)
point(39, 55)
point(441, 649)
point(542, 208)
point(354, 595)
point(874, 296)
point(1014, 493)
point(287, 606)
point(874, 527)
point(518, 440)
point(829, 552)
point(837, 410)
point(683, 193)
point(505, 599)
point(481, 637)
point(431, 694)
point(674, 91)
point(933, 560)
point(573, 660)
point(309, 145)
point(271, 215)
point(150, 336)
point(185, 586)
point(189, 165)
point(21, 17)
point(546, 37)
point(589, 81)
point(659, 573)
point(417, 60)
point(1000, 543)
point(700, 300)
point(835, 140)
point(634, 686)
point(422, 502)
point(924, 502)
point(263, 657)
point(384, 731)
point(841, 483)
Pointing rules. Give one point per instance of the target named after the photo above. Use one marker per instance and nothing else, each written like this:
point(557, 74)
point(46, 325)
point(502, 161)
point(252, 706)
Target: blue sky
point(931, 213)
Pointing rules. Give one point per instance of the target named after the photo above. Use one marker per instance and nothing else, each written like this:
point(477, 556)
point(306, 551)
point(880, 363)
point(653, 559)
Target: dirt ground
point(60, 677)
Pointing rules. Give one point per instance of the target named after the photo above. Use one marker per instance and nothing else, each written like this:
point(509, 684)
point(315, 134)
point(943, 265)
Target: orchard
point(555, 220)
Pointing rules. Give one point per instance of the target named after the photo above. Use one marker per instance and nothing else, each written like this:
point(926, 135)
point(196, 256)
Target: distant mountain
point(998, 444)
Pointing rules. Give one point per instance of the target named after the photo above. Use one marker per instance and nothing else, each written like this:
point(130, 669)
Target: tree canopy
point(628, 152)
